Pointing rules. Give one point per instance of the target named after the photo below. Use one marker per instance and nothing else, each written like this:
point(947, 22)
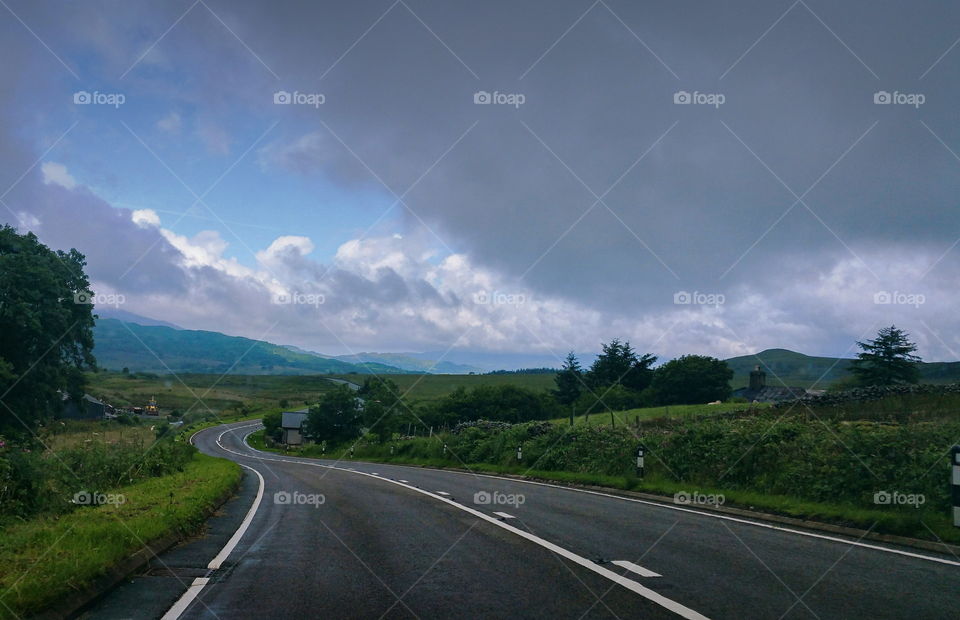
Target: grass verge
point(45, 559)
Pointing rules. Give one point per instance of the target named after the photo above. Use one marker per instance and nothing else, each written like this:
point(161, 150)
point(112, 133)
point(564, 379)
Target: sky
point(512, 177)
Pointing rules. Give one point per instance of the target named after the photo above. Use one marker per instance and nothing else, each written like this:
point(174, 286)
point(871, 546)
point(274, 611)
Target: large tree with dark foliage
point(569, 381)
point(336, 417)
point(619, 364)
point(888, 359)
point(691, 380)
point(384, 409)
point(46, 323)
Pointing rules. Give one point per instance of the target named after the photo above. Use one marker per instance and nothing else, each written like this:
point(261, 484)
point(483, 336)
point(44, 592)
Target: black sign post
point(955, 483)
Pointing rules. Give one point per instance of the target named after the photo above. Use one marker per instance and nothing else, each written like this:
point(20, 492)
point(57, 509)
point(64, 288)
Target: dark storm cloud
point(598, 188)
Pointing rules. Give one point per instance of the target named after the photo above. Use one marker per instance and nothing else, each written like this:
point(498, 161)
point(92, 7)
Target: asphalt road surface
point(321, 539)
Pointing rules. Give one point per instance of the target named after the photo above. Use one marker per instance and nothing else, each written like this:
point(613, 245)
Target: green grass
point(45, 559)
point(434, 387)
point(672, 412)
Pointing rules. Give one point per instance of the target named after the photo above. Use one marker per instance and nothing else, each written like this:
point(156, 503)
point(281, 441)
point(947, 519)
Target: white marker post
point(519, 453)
point(640, 452)
point(955, 483)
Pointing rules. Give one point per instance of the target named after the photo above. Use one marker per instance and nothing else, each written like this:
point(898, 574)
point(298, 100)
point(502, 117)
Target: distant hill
point(799, 370)
point(129, 317)
point(406, 361)
point(121, 344)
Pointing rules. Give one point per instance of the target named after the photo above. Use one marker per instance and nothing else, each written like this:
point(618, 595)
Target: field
point(200, 392)
point(203, 392)
point(434, 387)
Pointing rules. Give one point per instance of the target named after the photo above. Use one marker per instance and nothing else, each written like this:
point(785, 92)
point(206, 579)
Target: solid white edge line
point(770, 526)
point(504, 515)
point(629, 584)
point(184, 601)
point(442, 493)
point(630, 566)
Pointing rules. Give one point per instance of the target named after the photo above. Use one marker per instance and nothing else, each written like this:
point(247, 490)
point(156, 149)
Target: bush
point(33, 482)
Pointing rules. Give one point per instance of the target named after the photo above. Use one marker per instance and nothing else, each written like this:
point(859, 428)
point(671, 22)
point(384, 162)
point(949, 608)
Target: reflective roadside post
point(955, 483)
point(641, 449)
point(519, 453)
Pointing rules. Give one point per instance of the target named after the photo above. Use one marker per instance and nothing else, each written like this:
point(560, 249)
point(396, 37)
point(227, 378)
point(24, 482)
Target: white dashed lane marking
point(630, 566)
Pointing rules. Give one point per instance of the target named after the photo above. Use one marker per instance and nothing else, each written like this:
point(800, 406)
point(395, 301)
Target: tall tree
point(384, 411)
point(569, 381)
point(888, 359)
point(46, 330)
point(691, 380)
point(336, 417)
point(619, 364)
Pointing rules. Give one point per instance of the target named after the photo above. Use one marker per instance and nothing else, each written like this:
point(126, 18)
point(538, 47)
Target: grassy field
point(203, 392)
point(79, 433)
point(208, 392)
point(673, 412)
point(434, 387)
point(45, 559)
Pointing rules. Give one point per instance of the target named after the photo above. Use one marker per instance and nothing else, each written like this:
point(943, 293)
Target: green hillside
point(806, 371)
point(163, 350)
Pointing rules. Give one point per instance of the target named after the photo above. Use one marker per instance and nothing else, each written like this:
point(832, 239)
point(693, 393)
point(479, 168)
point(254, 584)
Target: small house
point(759, 392)
point(89, 408)
point(291, 425)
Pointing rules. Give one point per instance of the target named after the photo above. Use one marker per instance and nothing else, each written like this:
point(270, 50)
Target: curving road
point(356, 540)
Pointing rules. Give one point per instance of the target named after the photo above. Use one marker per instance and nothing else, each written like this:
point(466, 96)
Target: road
point(358, 540)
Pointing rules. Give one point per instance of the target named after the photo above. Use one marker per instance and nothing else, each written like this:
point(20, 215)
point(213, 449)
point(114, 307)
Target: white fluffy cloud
point(145, 218)
point(56, 174)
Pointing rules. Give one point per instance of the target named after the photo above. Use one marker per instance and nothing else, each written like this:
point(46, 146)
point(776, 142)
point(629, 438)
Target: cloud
point(54, 173)
point(145, 218)
point(694, 198)
point(170, 123)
